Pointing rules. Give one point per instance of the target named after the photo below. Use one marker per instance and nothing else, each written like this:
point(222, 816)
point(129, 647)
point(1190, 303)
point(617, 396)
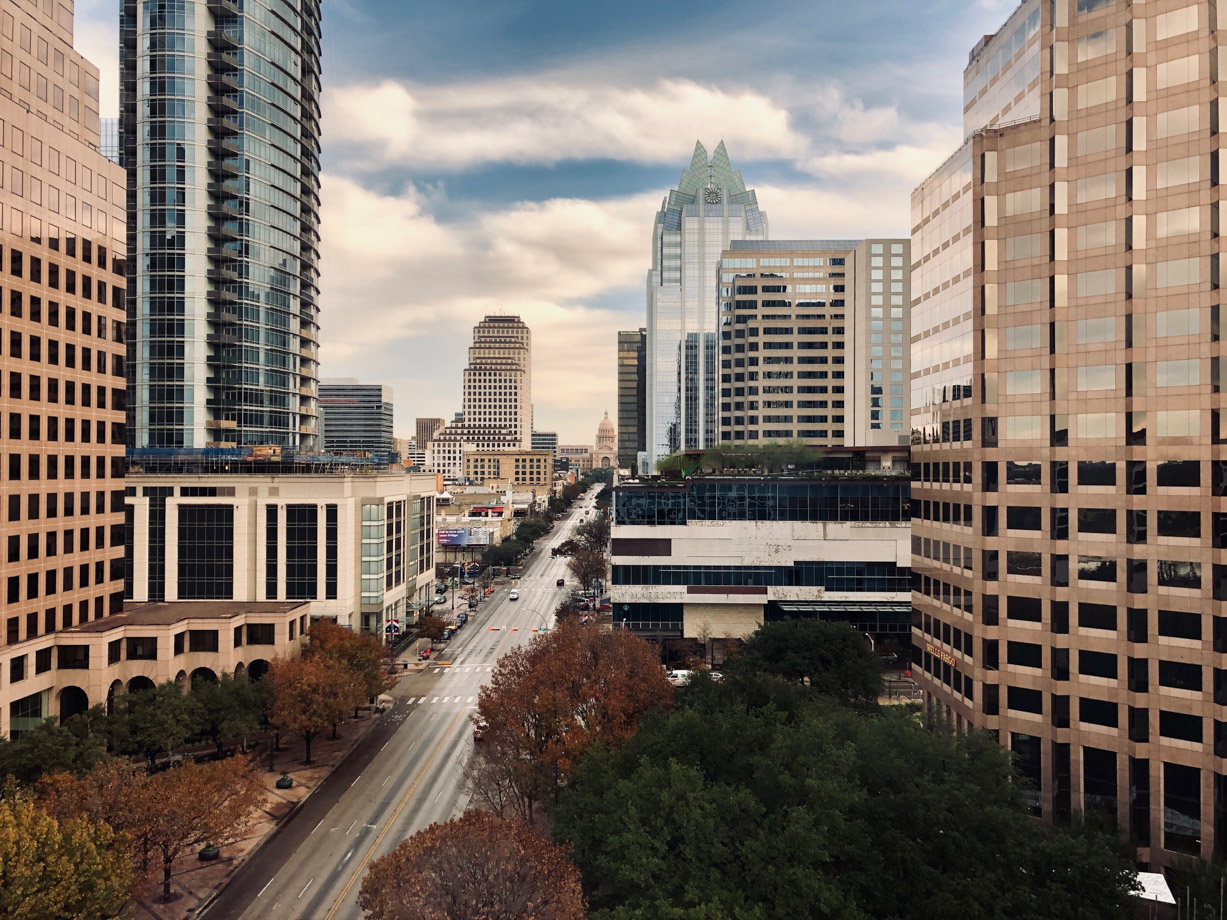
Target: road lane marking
point(351, 827)
point(470, 699)
point(385, 780)
point(305, 887)
point(354, 783)
point(435, 700)
point(316, 828)
point(266, 884)
point(439, 745)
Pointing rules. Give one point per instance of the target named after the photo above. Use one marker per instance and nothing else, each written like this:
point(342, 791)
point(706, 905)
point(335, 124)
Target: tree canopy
point(72, 869)
point(723, 809)
point(309, 695)
point(549, 701)
point(475, 867)
point(837, 660)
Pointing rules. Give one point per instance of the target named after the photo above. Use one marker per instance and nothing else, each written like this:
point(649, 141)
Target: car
point(462, 618)
point(424, 653)
point(447, 634)
point(561, 582)
point(479, 728)
point(513, 596)
point(679, 677)
point(440, 599)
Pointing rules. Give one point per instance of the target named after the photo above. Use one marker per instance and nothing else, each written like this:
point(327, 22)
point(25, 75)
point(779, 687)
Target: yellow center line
point(400, 807)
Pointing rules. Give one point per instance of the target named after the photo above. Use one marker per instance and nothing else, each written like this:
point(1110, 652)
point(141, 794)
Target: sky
point(509, 156)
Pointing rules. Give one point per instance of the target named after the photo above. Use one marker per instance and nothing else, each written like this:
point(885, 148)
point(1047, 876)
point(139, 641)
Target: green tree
point(230, 707)
point(530, 529)
point(837, 660)
point(431, 627)
point(151, 721)
point(48, 869)
point(74, 747)
point(506, 553)
point(727, 809)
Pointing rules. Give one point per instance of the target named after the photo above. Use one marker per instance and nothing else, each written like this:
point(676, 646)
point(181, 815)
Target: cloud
point(401, 291)
point(549, 118)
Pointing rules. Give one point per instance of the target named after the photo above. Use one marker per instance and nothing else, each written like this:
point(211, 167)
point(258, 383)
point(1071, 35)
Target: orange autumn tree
point(549, 701)
point(475, 867)
point(362, 655)
point(309, 695)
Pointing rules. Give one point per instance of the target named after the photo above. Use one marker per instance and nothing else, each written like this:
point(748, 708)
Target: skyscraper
point(356, 417)
point(498, 398)
point(62, 392)
point(425, 430)
point(1068, 464)
point(219, 129)
point(821, 330)
point(695, 223)
point(632, 393)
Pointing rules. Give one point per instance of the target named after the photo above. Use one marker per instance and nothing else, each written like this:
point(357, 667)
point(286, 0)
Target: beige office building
point(814, 341)
point(62, 391)
point(521, 468)
point(1068, 469)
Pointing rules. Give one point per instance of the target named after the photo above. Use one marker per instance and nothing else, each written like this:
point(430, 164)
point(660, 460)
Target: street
point(408, 772)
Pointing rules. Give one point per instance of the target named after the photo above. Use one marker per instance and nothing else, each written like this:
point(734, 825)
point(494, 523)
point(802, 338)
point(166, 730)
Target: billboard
point(462, 536)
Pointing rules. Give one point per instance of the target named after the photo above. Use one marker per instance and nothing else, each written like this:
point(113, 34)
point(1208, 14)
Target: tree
point(475, 867)
point(229, 707)
point(48, 868)
point(588, 567)
point(362, 655)
point(837, 660)
point(308, 694)
point(506, 553)
point(568, 548)
point(151, 721)
point(727, 808)
point(200, 804)
point(50, 747)
point(593, 535)
point(431, 627)
point(530, 529)
point(549, 701)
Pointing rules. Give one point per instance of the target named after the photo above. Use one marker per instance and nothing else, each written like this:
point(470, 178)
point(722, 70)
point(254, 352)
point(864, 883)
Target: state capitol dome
point(606, 453)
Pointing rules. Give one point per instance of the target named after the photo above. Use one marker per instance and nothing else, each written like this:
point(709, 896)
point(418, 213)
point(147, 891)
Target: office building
point(814, 341)
point(498, 398)
point(717, 556)
point(632, 393)
point(62, 290)
point(219, 130)
point(1068, 461)
point(605, 450)
point(710, 207)
point(354, 542)
point(545, 440)
point(578, 457)
point(426, 429)
point(357, 417)
point(525, 469)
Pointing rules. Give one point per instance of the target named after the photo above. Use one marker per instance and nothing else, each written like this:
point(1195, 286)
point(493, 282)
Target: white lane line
point(305, 887)
point(354, 783)
point(385, 781)
point(351, 827)
point(266, 884)
point(435, 700)
point(316, 828)
point(439, 796)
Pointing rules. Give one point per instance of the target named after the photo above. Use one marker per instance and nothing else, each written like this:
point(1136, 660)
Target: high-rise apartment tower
point(357, 417)
point(1069, 476)
point(219, 129)
point(710, 206)
point(62, 392)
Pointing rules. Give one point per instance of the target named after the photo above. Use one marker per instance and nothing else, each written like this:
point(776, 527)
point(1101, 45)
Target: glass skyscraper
point(710, 207)
point(219, 130)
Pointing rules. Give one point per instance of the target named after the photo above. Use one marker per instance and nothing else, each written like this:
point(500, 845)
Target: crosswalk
point(469, 701)
point(461, 669)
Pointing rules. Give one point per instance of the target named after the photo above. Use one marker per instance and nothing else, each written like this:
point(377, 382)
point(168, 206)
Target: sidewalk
point(193, 882)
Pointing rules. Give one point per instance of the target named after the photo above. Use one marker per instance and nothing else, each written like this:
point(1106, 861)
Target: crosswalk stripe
point(470, 699)
point(435, 700)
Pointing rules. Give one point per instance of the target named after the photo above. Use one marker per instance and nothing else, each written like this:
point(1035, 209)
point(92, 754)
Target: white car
point(513, 596)
point(678, 678)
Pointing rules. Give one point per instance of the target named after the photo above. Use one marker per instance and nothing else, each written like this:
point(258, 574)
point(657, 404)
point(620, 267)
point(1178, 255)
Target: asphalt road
point(407, 773)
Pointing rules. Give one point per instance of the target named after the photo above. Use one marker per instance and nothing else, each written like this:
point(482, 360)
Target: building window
point(330, 552)
point(142, 648)
point(262, 633)
point(206, 552)
point(202, 640)
point(301, 553)
point(270, 552)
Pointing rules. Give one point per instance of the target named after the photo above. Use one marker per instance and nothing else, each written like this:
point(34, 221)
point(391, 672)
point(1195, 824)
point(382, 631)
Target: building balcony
point(224, 147)
point(219, 275)
point(223, 62)
point(223, 40)
point(225, 210)
point(222, 338)
point(223, 105)
point(225, 424)
point(223, 125)
point(222, 82)
point(223, 254)
point(223, 309)
point(224, 8)
point(224, 167)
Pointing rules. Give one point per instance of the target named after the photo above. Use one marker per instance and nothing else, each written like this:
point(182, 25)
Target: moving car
point(513, 596)
point(561, 582)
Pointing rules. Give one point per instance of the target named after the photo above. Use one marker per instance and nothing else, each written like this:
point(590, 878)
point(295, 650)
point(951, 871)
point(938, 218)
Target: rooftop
point(170, 613)
point(801, 245)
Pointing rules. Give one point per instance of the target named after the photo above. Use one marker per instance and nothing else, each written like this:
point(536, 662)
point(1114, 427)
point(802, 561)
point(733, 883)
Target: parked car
point(447, 634)
point(479, 729)
point(561, 582)
point(440, 599)
point(513, 596)
point(462, 618)
point(678, 678)
point(424, 653)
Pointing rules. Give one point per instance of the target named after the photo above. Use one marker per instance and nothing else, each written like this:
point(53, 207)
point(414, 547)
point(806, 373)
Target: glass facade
point(731, 500)
point(219, 131)
point(206, 552)
point(301, 552)
point(709, 207)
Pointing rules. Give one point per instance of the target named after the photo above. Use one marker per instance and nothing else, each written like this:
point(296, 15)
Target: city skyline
point(842, 142)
